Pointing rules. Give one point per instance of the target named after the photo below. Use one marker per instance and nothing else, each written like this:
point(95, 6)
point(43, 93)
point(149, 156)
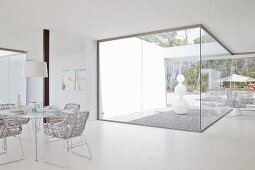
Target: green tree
point(205, 39)
point(167, 39)
point(191, 74)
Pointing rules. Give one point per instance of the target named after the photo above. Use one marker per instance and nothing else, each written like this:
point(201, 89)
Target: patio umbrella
point(236, 78)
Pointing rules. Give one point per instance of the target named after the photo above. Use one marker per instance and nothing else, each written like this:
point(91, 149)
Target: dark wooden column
point(46, 58)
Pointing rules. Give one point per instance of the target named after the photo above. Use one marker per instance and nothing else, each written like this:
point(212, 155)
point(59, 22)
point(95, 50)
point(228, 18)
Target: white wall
point(30, 40)
point(17, 83)
point(154, 85)
point(120, 73)
point(69, 51)
point(132, 77)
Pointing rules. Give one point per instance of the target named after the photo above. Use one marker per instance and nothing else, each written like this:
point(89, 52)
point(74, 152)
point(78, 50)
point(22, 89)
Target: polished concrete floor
point(227, 145)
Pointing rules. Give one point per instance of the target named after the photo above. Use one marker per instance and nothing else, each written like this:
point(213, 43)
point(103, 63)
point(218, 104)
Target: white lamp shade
point(35, 69)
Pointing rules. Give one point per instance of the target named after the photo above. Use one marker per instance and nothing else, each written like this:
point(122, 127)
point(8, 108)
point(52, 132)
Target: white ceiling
point(231, 21)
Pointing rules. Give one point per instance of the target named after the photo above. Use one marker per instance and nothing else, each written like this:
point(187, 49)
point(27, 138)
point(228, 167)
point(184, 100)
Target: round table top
point(32, 115)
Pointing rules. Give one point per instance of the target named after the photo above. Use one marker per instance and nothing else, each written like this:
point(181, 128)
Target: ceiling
point(231, 21)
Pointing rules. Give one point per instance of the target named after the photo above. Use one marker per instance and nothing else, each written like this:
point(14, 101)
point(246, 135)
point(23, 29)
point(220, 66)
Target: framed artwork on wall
point(80, 79)
point(68, 79)
point(73, 79)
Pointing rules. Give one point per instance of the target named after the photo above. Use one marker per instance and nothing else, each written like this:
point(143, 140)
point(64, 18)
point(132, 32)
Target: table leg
point(4, 146)
point(35, 131)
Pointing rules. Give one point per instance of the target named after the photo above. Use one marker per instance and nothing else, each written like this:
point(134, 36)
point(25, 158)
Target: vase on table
point(19, 104)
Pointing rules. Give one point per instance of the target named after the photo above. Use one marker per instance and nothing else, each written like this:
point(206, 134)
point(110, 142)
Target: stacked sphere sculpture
point(180, 105)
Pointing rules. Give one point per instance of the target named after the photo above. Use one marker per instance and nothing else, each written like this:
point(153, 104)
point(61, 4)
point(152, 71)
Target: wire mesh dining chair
point(7, 106)
point(10, 127)
point(69, 108)
point(72, 107)
point(73, 126)
point(22, 121)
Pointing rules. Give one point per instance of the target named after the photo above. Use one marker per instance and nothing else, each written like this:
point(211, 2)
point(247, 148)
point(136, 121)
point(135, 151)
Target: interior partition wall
point(12, 81)
point(138, 84)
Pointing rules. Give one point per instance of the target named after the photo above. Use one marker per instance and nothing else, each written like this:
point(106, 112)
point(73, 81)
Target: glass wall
point(183, 59)
point(214, 66)
point(12, 81)
point(161, 80)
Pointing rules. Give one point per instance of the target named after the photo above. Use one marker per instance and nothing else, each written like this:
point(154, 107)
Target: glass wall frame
point(140, 90)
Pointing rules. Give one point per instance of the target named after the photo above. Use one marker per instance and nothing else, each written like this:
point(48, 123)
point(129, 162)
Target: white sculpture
point(180, 105)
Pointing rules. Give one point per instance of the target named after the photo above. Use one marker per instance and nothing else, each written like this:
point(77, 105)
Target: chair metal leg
point(4, 146)
point(22, 150)
point(80, 141)
point(85, 143)
point(2, 143)
point(28, 129)
point(44, 146)
point(54, 140)
point(67, 152)
point(66, 147)
point(29, 133)
point(19, 159)
point(88, 147)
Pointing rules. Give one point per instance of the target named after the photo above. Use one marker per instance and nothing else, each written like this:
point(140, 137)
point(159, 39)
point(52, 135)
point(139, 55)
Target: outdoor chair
point(234, 102)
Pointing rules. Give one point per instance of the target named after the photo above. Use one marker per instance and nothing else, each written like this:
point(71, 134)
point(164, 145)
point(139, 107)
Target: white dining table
point(35, 118)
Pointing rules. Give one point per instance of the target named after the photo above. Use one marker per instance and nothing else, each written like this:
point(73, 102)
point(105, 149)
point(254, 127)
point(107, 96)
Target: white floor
point(227, 145)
